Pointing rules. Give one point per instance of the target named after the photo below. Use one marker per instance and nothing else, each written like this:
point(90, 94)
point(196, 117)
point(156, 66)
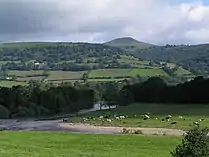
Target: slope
point(194, 57)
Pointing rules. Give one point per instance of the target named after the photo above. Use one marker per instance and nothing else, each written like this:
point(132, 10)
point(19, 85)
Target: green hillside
point(67, 62)
point(194, 58)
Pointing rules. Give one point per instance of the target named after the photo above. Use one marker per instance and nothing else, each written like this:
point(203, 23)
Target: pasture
point(183, 115)
point(11, 83)
point(49, 144)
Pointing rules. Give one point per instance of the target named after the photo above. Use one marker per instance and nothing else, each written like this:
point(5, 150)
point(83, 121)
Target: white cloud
point(155, 21)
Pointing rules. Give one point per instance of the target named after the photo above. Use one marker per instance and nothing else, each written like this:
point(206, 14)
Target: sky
point(152, 21)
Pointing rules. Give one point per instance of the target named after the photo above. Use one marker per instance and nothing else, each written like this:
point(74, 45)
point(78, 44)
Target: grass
point(46, 144)
point(109, 72)
point(148, 72)
point(60, 75)
point(104, 80)
point(11, 83)
point(54, 75)
point(183, 72)
point(25, 73)
point(190, 114)
point(127, 72)
point(132, 60)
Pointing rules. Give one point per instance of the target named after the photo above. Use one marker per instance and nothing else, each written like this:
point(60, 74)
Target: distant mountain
point(128, 43)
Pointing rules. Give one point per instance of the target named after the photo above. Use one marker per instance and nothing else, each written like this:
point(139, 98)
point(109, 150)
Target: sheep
point(180, 117)
point(122, 117)
point(146, 117)
point(156, 118)
point(201, 120)
point(85, 119)
point(196, 123)
point(109, 120)
point(101, 117)
point(173, 123)
point(118, 118)
point(168, 117)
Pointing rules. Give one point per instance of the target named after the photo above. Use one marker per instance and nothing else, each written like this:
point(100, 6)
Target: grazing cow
point(163, 120)
point(174, 123)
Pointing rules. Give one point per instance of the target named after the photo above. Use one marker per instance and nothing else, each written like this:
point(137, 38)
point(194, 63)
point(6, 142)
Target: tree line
point(156, 90)
point(43, 99)
point(55, 52)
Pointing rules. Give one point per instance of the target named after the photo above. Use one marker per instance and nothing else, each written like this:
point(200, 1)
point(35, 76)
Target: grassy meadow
point(49, 144)
point(184, 115)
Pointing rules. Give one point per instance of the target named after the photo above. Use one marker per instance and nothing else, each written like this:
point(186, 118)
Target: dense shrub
point(4, 112)
point(194, 144)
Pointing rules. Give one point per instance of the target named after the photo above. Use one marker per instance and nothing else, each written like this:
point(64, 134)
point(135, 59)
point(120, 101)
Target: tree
point(194, 144)
point(85, 77)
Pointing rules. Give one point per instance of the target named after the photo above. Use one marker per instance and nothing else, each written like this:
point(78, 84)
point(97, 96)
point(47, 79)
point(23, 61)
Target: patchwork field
point(46, 144)
point(183, 115)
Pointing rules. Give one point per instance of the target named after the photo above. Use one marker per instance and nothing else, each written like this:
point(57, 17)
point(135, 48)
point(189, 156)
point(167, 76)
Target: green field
point(11, 83)
point(189, 113)
point(109, 72)
point(182, 72)
point(46, 144)
point(148, 72)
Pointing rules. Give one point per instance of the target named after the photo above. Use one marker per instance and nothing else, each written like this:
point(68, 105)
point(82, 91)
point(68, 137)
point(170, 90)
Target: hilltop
point(128, 43)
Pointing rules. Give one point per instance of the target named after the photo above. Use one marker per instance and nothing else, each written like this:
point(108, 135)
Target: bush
point(194, 144)
point(4, 112)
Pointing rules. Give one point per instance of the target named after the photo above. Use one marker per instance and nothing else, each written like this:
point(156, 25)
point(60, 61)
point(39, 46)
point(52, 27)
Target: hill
point(194, 58)
point(65, 61)
point(128, 43)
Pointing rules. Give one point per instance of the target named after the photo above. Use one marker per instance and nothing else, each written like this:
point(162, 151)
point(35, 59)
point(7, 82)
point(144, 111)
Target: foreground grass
point(45, 144)
point(189, 113)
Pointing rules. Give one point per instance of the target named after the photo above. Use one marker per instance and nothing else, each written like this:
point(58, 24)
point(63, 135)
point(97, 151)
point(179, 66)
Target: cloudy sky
point(153, 21)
